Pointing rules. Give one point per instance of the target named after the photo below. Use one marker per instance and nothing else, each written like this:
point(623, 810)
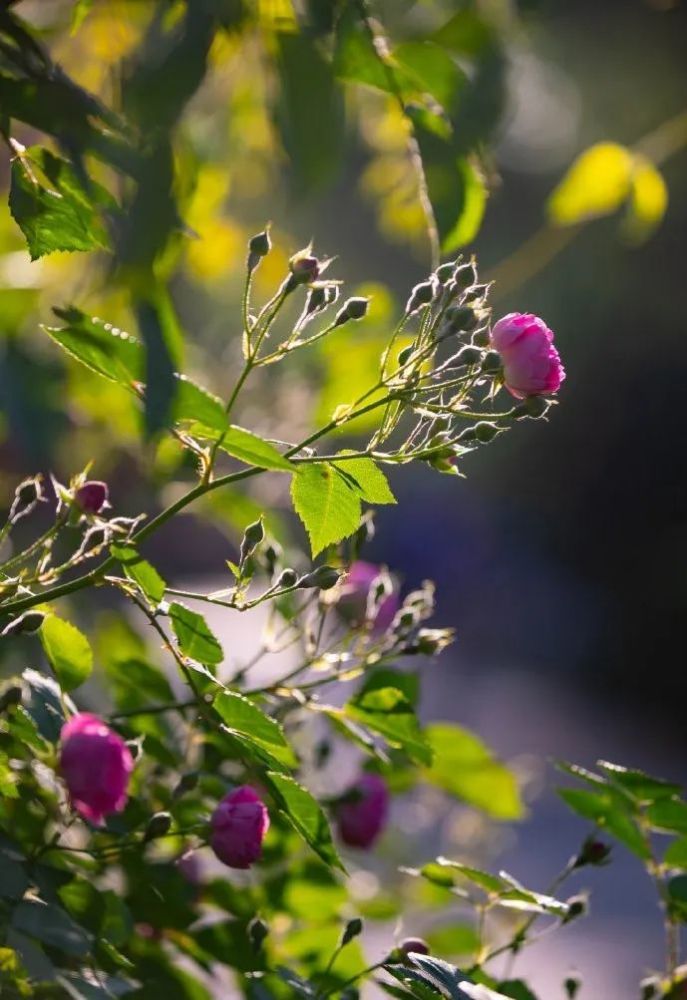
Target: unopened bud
point(536, 406)
point(186, 783)
point(92, 496)
point(405, 354)
point(491, 362)
point(10, 697)
point(462, 319)
point(258, 247)
point(416, 946)
point(353, 929)
point(571, 986)
point(577, 907)
point(257, 932)
point(317, 299)
point(158, 826)
point(474, 293)
point(323, 578)
point(650, 988)
point(465, 276)
point(444, 273)
point(593, 852)
point(431, 641)
point(469, 356)
point(354, 308)
point(486, 432)
point(26, 624)
point(304, 268)
point(420, 296)
point(252, 537)
point(287, 578)
point(26, 496)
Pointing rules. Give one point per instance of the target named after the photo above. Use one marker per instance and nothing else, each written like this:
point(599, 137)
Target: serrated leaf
point(369, 480)
point(243, 717)
point(68, 651)
point(464, 766)
point(194, 636)
point(195, 403)
point(51, 206)
point(306, 816)
point(327, 504)
point(638, 784)
point(608, 811)
point(669, 815)
point(140, 572)
point(100, 346)
point(485, 880)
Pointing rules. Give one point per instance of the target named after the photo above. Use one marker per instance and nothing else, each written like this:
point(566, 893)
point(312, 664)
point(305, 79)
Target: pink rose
point(361, 819)
point(531, 364)
point(95, 763)
point(239, 824)
point(354, 594)
point(92, 496)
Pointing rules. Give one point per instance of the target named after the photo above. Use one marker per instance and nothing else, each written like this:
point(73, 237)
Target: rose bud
point(92, 497)
point(239, 824)
point(95, 763)
point(415, 945)
point(362, 816)
point(354, 597)
point(531, 364)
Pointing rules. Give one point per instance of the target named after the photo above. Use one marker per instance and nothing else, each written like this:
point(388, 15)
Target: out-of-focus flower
point(92, 496)
point(354, 599)
point(96, 764)
point(362, 816)
point(531, 364)
point(239, 824)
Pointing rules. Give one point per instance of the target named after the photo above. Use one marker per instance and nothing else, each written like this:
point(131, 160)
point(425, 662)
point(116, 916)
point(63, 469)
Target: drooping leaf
point(327, 504)
point(53, 207)
point(194, 636)
point(306, 816)
point(465, 767)
point(100, 346)
point(68, 651)
point(310, 111)
point(140, 572)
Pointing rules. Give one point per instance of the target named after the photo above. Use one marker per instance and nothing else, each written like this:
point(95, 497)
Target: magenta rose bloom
point(92, 496)
point(356, 588)
point(95, 763)
point(531, 364)
point(361, 819)
point(239, 824)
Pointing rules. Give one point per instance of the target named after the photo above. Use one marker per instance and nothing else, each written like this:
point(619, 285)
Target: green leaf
point(598, 183)
point(669, 815)
point(243, 717)
point(368, 479)
point(676, 854)
point(431, 70)
point(466, 768)
point(677, 895)
point(387, 711)
point(517, 989)
point(52, 926)
point(326, 503)
point(161, 384)
point(103, 348)
point(248, 448)
point(195, 403)
point(310, 113)
point(140, 572)
point(484, 880)
point(608, 811)
point(355, 56)
point(306, 816)
point(194, 636)
point(640, 786)
point(455, 186)
point(51, 206)
point(68, 651)
point(45, 704)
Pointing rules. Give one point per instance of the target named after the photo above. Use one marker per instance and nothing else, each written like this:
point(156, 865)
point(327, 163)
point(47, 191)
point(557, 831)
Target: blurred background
point(560, 559)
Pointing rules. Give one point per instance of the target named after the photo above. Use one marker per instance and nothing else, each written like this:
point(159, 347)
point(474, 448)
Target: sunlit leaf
point(648, 201)
point(140, 572)
point(243, 716)
point(369, 480)
point(326, 502)
point(68, 651)
point(465, 767)
point(306, 816)
point(597, 183)
point(194, 636)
